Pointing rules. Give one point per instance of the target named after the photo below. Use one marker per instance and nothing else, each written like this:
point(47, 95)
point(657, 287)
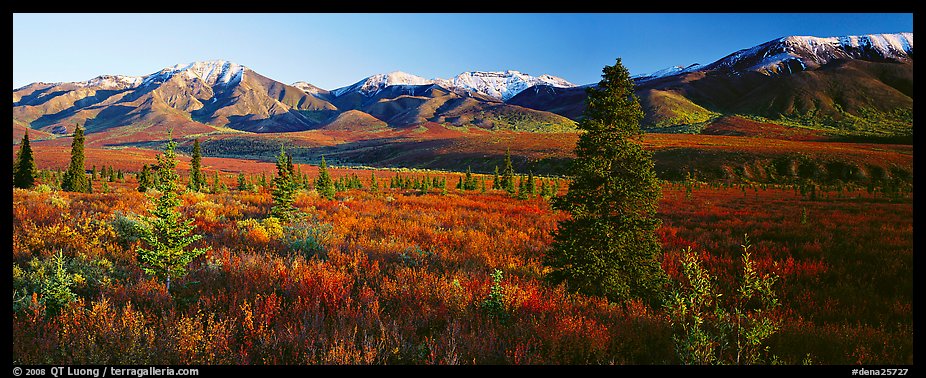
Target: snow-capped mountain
point(800, 53)
point(848, 78)
point(674, 70)
point(500, 85)
point(112, 82)
point(309, 88)
point(211, 72)
point(204, 94)
point(373, 84)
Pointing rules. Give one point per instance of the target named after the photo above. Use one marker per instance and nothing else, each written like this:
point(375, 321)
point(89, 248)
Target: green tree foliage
point(469, 181)
point(715, 329)
point(144, 178)
point(522, 189)
point(609, 246)
point(507, 179)
point(243, 184)
point(284, 188)
point(197, 179)
point(75, 179)
point(56, 289)
point(496, 183)
point(374, 183)
point(494, 305)
point(165, 254)
point(531, 185)
point(323, 184)
point(689, 184)
point(24, 170)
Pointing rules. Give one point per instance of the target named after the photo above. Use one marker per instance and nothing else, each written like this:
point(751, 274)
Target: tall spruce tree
point(469, 181)
point(531, 185)
point(24, 170)
point(507, 178)
point(609, 246)
point(374, 183)
point(197, 179)
point(243, 184)
point(496, 184)
point(75, 179)
point(284, 188)
point(323, 184)
point(165, 253)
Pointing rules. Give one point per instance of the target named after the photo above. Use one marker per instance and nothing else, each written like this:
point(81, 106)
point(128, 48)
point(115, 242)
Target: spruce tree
point(165, 254)
point(197, 179)
point(323, 184)
point(531, 186)
point(609, 246)
point(24, 170)
point(284, 188)
point(496, 185)
point(144, 178)
point(75, 179)
point(522, 188)
point(508, 174)
point(242, 182)
point(469, 182)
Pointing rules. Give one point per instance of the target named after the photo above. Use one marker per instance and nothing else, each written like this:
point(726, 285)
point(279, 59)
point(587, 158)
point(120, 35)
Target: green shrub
point(494, 305)
point(56, 288)
point(713, 329)
point(129, 227)
point(307, 238)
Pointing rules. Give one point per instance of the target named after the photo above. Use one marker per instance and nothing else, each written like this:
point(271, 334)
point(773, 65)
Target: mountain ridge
point(849, 84)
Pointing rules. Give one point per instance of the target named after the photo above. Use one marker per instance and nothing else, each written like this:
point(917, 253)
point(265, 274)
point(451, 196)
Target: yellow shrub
point(274, 227)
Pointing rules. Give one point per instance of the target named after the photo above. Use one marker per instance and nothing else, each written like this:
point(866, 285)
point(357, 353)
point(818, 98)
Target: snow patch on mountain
point(112, 82)
point(211, 72)
point(307, 88)
point(671, 71)
point(500, 85)
point(799, 53)
point(373, 84)
point(810, 52)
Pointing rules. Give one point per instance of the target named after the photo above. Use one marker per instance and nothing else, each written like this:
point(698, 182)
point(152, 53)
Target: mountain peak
point(373, 84)
point(212, 72)
point(502, 85)
point(112, 82)
point(799, 53)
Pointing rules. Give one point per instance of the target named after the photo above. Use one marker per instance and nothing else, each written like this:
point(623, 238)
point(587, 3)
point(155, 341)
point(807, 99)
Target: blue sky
point(335, 50)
